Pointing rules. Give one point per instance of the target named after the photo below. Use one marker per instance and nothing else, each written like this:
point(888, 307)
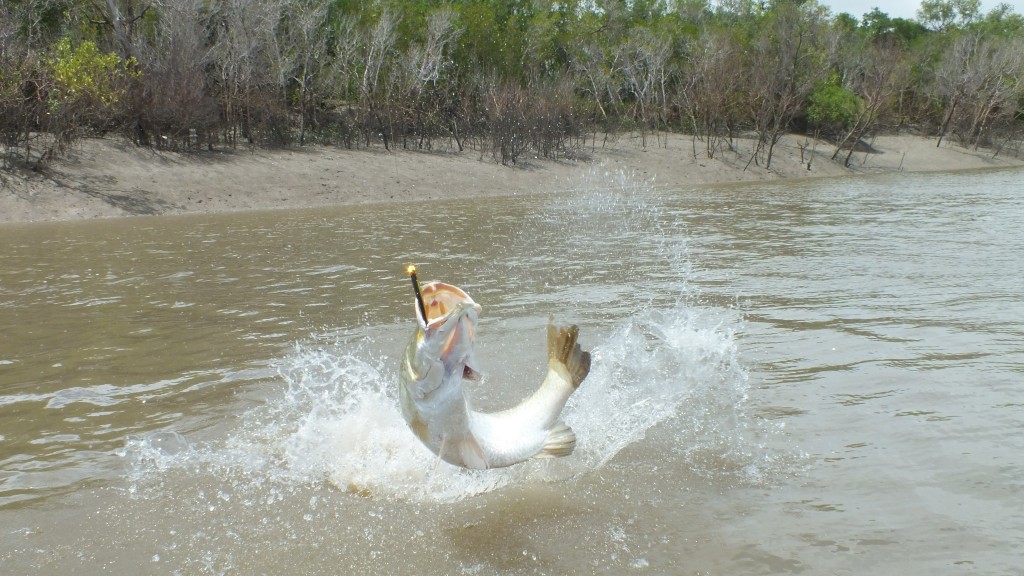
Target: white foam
point(354, 434)
point(665, 361)
point(337, 417)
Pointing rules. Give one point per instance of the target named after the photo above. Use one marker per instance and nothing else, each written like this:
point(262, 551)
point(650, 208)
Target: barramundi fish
point(435, 405)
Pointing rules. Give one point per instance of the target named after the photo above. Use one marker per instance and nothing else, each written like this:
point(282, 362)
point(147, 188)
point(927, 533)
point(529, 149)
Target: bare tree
point(170, 106)
point(507, 107)
point(306, 51)
point(424, 65)
point(342, 77)
point(643, 61)
point(878, 75)
point(250, 74)
point(589, 63)
point(598, 77)
point(977, 80)
point(377, 54)
point(429, 59)
point(785, 64)
point(998, 81)
point(953, 79)
point(712, 87)
point(121, 18)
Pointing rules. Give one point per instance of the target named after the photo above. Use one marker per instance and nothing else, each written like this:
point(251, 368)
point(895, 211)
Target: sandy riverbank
point(110, 178)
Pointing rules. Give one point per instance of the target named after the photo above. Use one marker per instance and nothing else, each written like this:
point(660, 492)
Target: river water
point(822, 376)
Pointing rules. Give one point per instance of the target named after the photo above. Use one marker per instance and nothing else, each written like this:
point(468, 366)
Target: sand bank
point(104, 178)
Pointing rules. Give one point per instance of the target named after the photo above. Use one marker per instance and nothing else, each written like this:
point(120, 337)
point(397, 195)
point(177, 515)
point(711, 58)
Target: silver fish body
point(434, 403)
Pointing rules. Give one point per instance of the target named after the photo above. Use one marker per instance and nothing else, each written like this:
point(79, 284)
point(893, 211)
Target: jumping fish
point(434, 404)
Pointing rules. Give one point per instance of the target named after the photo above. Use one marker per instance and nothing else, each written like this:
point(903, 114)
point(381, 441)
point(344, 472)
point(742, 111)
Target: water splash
point(660, 365)
point(351, 432)
point(572, 244)
point(666, 363)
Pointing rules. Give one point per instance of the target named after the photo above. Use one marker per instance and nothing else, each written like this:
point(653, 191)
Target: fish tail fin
point(560, 442)
point(563, 349)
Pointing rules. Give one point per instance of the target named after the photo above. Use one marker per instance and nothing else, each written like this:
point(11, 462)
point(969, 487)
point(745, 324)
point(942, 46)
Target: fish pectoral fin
point(469, 371)
point(561, 441)
point(564, 353)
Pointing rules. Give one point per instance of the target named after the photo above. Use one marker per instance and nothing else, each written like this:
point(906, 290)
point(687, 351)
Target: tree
point(643, 61)
point(507, 76)
point(943, 15)
point(20, 96)
point(121, 18)
point(589, 64)
point(306, 52)
point(424, 68)
point(833, 108)
point(880, 26)
point(980, 79)
point(1002, 21)
point(171, 104)
point(83, 82)
point(786, 63)
point(713, 87)
point(249, 70)
point(377, 52)
point(877, 74)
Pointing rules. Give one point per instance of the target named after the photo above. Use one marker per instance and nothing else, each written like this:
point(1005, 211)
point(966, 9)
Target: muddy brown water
point(824, 377)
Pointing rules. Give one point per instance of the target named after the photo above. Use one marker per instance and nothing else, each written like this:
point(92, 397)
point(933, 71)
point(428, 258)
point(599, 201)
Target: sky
point(903, 8)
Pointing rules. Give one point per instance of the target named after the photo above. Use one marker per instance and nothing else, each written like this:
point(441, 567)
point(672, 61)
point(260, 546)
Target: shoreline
point(109, 178)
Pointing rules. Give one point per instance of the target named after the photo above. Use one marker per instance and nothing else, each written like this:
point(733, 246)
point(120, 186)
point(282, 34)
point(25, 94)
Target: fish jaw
point(450, 326)
point(451, 342)
point(440, 300)
point(439, 356)
point(440, 351)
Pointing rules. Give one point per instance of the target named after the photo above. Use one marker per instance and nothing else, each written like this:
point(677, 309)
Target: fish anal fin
point(564, 351)
point(561, 442)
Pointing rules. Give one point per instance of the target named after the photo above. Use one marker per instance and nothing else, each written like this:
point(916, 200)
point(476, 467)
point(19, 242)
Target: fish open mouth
point(440, 302)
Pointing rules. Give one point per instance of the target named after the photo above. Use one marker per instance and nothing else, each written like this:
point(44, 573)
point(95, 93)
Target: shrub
point(832, 107)
point(83, 87)
point(85, 74)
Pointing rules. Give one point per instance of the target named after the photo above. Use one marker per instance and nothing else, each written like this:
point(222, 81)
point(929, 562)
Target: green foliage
point(523, 77)
point(481, 44)
point(1002, 21)
point(946, 14)
point(85, 74)
point(831, 105)
point(845, 22)
point(879, 25)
